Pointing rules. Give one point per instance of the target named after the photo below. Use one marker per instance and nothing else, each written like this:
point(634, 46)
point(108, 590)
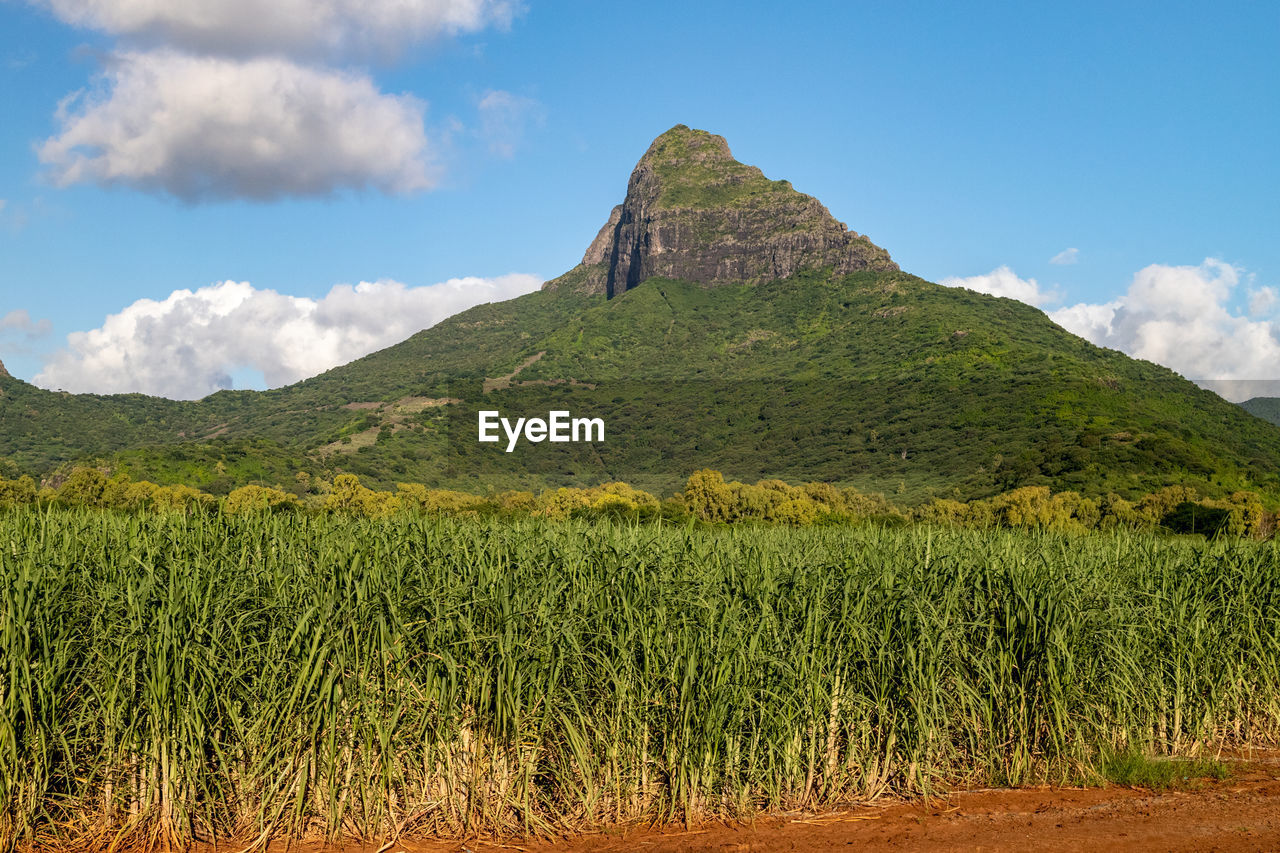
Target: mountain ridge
point(1267, 408)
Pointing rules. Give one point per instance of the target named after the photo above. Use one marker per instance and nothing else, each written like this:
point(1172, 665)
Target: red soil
point(1239, 814)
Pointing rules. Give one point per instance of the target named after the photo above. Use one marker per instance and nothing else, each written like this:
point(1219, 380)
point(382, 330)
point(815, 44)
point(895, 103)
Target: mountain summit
point(694, 213)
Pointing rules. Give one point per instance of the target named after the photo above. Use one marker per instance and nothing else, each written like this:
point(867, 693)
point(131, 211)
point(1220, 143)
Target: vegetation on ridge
point(1267, 408)
point(695, 170)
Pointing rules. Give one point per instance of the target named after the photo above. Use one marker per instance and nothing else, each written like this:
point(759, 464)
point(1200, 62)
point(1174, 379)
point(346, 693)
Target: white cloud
point(1094, 322)
point(189, 344)
point(200, 128)
point(19, 332)
point(1066, 257)
point(504, 117)
point(1263, 301)
point(1002, 281)
point(1180, 316)
point(309, 29)
point(20, 321)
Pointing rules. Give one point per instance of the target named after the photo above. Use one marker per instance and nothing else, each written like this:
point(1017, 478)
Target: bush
point(252, 499)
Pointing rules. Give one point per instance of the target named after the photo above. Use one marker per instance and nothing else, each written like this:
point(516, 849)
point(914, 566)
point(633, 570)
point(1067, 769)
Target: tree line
point(706, 497)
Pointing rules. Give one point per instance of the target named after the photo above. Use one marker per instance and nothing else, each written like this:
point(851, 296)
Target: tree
point(707, 496)
point(17, 492)
point(349, 496)
point(85, 487)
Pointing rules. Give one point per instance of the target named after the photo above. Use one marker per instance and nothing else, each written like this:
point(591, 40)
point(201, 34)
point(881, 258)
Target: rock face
point(692, 212)
point(4, 374)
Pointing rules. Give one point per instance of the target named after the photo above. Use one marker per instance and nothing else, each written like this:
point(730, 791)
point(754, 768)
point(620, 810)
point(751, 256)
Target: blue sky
point(975, 142)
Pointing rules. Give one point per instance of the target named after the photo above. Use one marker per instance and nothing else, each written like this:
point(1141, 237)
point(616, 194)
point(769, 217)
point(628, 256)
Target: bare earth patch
point(411, 405)
point(390, 414)
point(220, 429)
point(1241, 813)
point(499, 382)
point(364, 438)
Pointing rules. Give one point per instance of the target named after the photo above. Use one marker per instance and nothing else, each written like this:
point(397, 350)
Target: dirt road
point(1241, 813)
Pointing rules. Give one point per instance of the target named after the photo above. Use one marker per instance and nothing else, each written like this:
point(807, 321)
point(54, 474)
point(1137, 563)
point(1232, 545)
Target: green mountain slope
point(1267, 408)
point(719, 320)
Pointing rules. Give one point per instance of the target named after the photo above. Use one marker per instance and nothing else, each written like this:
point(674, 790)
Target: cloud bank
point(188, 345)
point(1263, 301)
point(307, 29)
point(1002, 281)
point(201, 128)
point(1182, 317)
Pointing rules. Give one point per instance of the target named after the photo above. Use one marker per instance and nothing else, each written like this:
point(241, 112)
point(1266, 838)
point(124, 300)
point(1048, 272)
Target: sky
point(200, 194)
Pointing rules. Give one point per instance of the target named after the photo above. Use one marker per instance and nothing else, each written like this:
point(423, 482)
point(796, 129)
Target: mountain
point(693, 213)
point(719, 319)
point(1267, 408)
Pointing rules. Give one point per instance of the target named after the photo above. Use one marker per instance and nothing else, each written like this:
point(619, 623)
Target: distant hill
point(1267, 408)
point(719, 319)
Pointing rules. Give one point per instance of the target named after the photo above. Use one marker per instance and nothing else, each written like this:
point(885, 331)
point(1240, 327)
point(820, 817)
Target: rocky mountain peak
point(4, 374)
point(693, 212)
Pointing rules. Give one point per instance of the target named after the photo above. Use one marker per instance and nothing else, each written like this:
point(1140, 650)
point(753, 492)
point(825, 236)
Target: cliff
point(692, 212)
